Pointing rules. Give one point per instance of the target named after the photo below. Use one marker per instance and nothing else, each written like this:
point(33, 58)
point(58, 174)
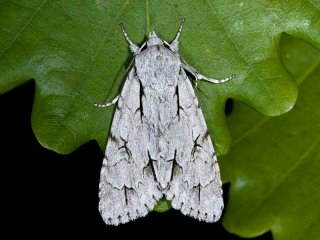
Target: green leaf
point(76, 54)
point(274, 163)
point(163, 205)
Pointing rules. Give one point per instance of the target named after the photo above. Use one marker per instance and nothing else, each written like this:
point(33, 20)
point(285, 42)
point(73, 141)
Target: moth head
point(154, 40)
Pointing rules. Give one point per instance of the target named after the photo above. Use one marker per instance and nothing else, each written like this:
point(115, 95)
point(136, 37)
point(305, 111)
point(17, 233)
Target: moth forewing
point(159, 143)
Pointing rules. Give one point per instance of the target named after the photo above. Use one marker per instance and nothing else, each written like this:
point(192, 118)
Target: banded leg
point(107, 104)
point(199, 76)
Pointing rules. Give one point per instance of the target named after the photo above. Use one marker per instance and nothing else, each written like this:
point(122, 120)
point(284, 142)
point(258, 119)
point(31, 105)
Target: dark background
point(45, 194)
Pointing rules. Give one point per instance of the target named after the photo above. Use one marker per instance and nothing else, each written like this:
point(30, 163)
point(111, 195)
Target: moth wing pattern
point(195, 188)
point(127, 187)
point(159, 143)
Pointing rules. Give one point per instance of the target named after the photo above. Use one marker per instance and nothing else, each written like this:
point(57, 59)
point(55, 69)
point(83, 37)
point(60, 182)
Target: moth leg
point(107, 104)
point(198, 76)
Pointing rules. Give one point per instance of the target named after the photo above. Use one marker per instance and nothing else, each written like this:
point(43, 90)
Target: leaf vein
point(23, 27)
point(225, 30)
point(286, 175)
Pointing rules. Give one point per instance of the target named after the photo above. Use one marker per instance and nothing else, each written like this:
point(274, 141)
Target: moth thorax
point(154, 40)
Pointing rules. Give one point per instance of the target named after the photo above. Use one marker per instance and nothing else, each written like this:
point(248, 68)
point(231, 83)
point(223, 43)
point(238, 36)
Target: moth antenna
point(136, 133)
point(133, 47)
point(174, 45)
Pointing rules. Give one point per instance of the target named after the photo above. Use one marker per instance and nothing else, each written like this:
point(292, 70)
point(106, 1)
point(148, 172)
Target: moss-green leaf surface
point(274, 163)
point(75, 52)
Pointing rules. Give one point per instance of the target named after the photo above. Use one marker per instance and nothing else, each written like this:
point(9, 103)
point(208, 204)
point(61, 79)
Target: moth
point(159, 145)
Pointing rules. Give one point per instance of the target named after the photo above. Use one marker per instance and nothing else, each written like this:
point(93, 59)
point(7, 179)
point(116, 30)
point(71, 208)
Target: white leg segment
point(198, 76)
point(114, 101)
